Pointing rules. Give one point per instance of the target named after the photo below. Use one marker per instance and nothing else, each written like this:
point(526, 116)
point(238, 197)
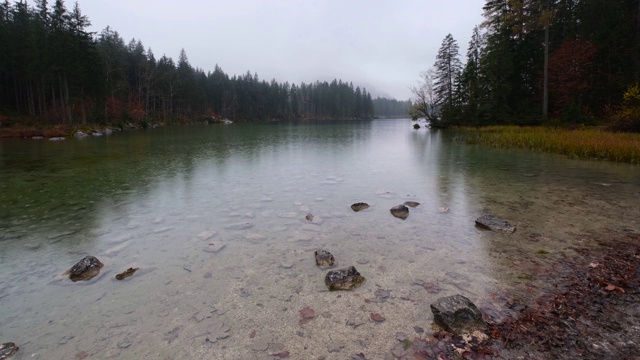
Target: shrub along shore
point(579, 144)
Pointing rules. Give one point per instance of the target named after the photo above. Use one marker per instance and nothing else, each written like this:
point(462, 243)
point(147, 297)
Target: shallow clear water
point(156, 199)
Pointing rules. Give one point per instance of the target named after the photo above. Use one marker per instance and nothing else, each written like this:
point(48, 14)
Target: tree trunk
point(545, 95)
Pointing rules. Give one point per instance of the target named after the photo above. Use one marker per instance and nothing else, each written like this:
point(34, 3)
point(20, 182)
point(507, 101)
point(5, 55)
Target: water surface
point(156, 199)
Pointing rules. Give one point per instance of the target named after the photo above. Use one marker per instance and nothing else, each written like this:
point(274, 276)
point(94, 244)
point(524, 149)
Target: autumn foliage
point(627, 116)
point(569, 68)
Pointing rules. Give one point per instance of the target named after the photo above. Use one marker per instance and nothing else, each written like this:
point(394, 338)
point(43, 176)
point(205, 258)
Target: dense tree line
point(52, 68)
point(537, 61)
point(385, 107)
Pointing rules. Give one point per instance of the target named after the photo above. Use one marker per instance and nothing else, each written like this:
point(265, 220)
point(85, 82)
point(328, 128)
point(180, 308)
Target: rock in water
point(416, 126)
point(324, 259)
point(493, 223)
point(343, 279)
point(126, 273)
point(8, 349)
point(457, 314)
point(412, 204)
point(400, 211)
point(85, 269)
point(359, 206)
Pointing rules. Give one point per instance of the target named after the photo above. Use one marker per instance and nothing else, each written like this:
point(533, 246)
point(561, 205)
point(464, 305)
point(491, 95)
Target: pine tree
point(447, 68)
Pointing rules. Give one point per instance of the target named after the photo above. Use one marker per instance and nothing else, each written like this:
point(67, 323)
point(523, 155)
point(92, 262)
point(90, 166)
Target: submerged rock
point(359, 206)
point(8, 349)
point(400, 211)
point(343, 279)
point(126, 273)
point(493, 223)
point(457, 314)
point(85, 269)
point(324, 259)
point(412, 204)
point(214, 247)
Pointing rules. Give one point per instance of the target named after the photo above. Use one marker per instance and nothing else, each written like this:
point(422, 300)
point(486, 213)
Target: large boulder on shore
point(493, 223)
point(457, 314)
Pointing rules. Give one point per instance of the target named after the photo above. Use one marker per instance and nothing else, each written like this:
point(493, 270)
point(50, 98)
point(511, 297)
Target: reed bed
point(580, 144)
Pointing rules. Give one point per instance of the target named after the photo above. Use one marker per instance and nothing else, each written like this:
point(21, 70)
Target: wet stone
point(343, 279)
point(493, 223)
point(214, 247)
point(457, 314)
point(411, 204)
point(324, 259)
point(85, 269)
point(400, 211)
point(8, 349)
point(359, 206)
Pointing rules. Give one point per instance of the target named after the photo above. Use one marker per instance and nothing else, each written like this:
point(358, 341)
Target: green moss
point(543, 252)
point(407, 344)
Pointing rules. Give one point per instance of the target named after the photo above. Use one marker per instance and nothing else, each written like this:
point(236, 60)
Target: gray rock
point(214, 247)
point(343, 279)
point(412, 204)
point(493, 223)
point(8, 349)
point(359, 206)
point(400, 211)
point(457, 314)
point(324, 259)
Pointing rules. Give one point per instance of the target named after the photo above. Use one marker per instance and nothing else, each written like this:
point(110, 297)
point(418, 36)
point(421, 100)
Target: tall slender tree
point(447, 69)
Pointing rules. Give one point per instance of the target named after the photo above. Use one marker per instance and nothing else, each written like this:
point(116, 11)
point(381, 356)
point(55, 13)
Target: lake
point(214, 218)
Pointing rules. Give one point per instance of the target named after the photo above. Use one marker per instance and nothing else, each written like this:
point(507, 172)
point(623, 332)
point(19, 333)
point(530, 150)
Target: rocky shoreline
point(593, 313)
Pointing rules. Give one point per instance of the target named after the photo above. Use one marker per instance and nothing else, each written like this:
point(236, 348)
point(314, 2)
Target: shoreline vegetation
point(588, 143)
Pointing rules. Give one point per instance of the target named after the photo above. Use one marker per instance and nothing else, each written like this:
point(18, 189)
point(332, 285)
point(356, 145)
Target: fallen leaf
point(610, 287)
point(377, 317)
point(252, 335)
point(307, 313)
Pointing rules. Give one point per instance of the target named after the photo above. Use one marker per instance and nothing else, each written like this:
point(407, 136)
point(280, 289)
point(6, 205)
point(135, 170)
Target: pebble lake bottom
point(215, 218)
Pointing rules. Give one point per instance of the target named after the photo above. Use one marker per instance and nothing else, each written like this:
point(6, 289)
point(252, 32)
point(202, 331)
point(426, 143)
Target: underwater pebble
point(206, 235)
point(214, 247)
point(239, 226)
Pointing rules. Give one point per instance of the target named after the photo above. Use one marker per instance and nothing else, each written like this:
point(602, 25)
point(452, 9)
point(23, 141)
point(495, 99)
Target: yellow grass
point(583, 144)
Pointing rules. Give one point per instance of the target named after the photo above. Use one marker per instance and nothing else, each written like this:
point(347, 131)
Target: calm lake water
point(156, 199)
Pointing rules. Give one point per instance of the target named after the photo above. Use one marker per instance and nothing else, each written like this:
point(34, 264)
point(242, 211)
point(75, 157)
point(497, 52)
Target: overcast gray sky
point(382, 45)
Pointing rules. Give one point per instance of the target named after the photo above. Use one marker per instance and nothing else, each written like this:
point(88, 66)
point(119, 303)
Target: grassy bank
point(579, 144)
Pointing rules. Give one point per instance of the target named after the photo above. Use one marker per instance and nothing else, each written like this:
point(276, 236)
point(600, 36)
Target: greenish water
point(156, 199)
